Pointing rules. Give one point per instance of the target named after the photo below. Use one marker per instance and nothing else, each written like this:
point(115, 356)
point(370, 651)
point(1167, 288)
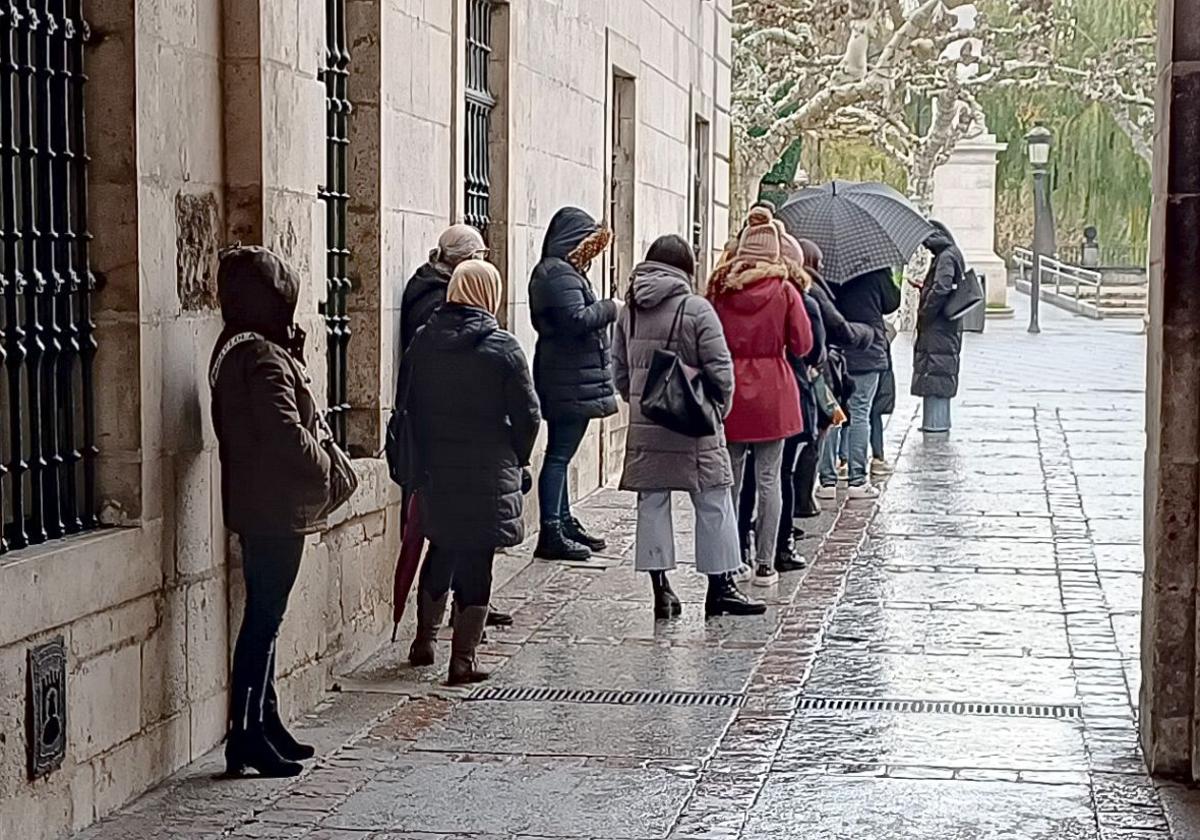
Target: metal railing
point(1082, 285)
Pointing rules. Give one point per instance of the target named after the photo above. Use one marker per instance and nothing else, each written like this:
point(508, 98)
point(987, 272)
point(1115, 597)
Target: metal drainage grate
point(940, 707)
point(606, 698)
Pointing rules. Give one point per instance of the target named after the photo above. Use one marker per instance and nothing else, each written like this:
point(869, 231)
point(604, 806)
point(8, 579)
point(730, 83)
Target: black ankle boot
point(805, 483)
point(573, 530)
point(788, 560)
point(553, 544)
point(496, 618)
point(724, 598)
point(666, 602)
point(250, 749)
point(278, 735)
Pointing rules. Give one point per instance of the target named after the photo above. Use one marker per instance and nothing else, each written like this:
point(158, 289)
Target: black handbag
point(401, 448)
point(675, 397)
point(966, 296)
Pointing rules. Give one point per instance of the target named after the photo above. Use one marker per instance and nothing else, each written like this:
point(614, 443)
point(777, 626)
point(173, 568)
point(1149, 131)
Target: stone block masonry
point(207, 126)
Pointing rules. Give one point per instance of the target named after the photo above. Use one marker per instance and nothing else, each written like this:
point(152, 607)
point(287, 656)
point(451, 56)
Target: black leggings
point(270, 567)
point(468, 572)
point(791, 450)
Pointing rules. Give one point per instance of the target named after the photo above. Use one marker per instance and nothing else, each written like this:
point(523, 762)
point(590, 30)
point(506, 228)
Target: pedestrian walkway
point(959, 662)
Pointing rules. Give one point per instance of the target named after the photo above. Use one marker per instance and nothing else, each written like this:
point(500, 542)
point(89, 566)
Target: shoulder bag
point(966, 296)
point(401, 444)
point(674, 396)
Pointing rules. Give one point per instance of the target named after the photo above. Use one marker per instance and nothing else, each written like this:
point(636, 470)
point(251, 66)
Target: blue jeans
point(877, 447)
point(564, 438)
point(858, 433)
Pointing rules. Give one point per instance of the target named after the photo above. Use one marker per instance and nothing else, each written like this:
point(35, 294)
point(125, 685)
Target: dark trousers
point(467, 572)
point(270, 566)
point(564, 438)
point(788, 480)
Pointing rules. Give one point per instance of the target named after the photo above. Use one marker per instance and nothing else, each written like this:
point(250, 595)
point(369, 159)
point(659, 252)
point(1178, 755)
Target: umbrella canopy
point(860, 227)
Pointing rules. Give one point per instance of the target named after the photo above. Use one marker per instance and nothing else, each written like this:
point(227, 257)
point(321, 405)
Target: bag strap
point(677, 321)
point(234, 341)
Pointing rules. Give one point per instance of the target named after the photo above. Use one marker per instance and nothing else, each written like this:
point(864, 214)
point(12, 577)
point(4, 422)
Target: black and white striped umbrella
point(861, 227)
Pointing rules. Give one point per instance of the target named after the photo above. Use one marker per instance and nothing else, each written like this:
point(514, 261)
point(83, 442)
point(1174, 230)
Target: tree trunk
point(745, 181)
point(920, 192)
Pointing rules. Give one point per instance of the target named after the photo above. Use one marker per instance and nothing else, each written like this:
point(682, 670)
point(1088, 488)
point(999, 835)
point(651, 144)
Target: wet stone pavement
point(960, 662)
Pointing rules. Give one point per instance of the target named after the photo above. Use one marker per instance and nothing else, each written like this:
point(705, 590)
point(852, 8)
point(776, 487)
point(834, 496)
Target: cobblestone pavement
point(959, 662)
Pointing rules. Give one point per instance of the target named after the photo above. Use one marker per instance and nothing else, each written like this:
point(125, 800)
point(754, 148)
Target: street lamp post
point(1037, 144)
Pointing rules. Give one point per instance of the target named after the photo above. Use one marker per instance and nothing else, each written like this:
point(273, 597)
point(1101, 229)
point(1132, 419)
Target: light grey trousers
point(768, 459)
point(716, 533)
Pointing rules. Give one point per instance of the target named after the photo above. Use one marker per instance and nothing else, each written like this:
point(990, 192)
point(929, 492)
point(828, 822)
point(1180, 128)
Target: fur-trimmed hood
point(739, 275)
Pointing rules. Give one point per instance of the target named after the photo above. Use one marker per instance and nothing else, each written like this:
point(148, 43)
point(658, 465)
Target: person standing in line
point(425, 293)
point(475, 422)
point(938, 348)
point(840, 336)
point(764, 320)
point(572, 368)
point(275, 481)
point(664, 314)
point(866, 300)
point(884, 405)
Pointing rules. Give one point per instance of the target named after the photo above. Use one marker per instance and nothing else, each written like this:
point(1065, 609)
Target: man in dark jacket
point(275, 481)
point(572, 368)
point(864, 300)
point(938, 347)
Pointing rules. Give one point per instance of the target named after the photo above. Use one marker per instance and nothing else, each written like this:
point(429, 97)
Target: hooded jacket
point(838, 331)
point(572, 363)
point(865, 300)
point(764, 320)
point(475, 419)
point(656, 458)
point(274, 472)
point(423, 294)
point(938, 348)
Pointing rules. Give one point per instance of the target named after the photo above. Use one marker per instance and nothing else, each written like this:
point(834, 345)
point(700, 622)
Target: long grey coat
point(657, 458)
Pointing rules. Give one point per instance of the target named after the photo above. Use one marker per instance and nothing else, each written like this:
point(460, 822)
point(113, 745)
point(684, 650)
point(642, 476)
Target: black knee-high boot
point(805, 481)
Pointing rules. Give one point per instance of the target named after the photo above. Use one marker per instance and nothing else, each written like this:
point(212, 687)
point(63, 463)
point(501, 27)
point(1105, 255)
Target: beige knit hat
point(760, 241)
point(788, 245)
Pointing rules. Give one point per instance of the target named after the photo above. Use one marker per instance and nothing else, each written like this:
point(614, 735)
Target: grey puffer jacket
point(657, 458)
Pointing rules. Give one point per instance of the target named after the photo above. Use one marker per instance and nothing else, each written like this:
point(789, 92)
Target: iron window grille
point(47, 335)
point(479, 106)
point(335, 194)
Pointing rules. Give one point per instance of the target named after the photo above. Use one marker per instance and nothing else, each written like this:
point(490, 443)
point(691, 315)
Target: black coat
point(838, 331)
point(572, 364)
point(423, 294)
point(939, 340)
point(475, 421)
point(865, 300)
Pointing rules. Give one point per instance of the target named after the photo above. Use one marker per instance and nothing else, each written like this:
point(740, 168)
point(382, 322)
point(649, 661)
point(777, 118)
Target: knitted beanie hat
point(789, 246)
point(760, 241)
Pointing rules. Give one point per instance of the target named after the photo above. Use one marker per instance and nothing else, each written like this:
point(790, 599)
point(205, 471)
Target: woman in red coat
point(764, 319)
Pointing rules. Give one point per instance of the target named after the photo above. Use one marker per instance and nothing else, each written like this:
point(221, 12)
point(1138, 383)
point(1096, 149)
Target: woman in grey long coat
point(659, 461)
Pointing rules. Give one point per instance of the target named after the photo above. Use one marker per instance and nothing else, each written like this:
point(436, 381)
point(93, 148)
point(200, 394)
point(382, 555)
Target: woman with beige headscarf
point(475, 419)
point(426, 291)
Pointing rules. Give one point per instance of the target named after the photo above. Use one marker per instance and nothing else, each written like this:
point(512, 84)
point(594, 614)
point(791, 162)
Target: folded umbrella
point(412, 544)
point(860, 227)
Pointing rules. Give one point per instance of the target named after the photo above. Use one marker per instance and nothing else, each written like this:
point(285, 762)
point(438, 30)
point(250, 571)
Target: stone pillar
point(1169, 687)
point(964, 198)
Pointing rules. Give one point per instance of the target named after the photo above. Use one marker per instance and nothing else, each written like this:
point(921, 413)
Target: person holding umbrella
point(475, 419)
point(764, 320)
point(863, 230)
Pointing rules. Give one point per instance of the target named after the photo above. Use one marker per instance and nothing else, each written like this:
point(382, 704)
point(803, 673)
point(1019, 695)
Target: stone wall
point(206, 126)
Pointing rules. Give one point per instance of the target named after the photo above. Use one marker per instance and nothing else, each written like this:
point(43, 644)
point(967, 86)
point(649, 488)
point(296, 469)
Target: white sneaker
point(765, 576)
point(743, 574)
point(864, 491)
point(829, 494)
point(880, 468)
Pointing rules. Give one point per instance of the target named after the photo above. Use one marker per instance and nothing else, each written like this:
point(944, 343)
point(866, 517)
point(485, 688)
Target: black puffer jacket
point(274, 472)
point(865, 300)
point(423, 294)
point(939, 340)
point(475, 421)
point(572, 364)
point(838, 331)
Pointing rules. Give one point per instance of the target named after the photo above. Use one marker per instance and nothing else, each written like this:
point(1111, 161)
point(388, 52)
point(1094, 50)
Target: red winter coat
point(763, 322)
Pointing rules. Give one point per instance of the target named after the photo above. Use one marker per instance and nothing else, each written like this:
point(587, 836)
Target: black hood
point(258, 291)
point(567, 231)
point(940, 239)
point(455, 327)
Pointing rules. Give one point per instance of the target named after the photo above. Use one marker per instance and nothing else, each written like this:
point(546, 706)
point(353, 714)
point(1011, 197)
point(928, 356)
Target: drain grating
point(606, 698)
point(940, 707)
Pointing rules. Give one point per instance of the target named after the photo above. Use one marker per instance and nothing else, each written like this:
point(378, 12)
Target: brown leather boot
point(429, 618)
point(468, 631)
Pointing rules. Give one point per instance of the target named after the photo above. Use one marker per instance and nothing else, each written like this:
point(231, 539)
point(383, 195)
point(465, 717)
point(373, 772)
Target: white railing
point(1082, 285)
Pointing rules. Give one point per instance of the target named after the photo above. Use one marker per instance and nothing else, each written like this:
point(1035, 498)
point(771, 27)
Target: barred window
point(480, 104)
point(335, 194)
point(47, 335)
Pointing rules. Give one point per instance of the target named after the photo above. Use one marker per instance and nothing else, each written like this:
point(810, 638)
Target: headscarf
point(457, 244)
point(476, 283)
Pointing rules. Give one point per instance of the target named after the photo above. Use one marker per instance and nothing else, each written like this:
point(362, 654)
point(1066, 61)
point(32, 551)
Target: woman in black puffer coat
point(475, 420)
point(572, 367)
point(939, 340)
